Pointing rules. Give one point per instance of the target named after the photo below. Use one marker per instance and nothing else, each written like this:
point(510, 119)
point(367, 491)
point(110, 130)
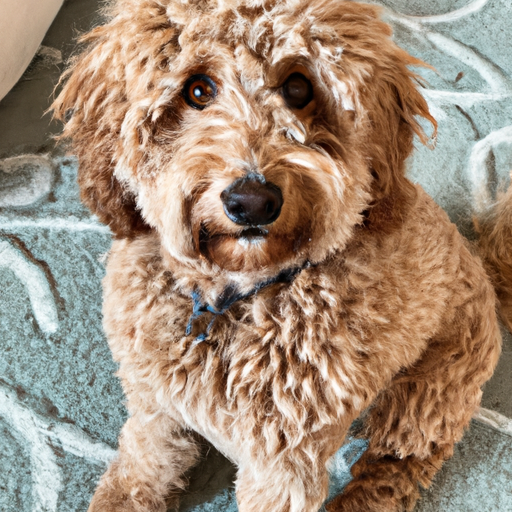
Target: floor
point(61, 409)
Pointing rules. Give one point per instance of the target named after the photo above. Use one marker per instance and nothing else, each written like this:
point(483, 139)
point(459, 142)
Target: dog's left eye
point(199, 91)
point(297, 91)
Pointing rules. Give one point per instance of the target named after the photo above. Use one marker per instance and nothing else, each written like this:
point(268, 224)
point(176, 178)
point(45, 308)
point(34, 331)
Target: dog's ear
point(93, 104)
point(386, 90)
point(395, 106)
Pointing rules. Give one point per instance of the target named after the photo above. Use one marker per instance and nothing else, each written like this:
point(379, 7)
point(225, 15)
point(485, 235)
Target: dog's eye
point(297, 91)
point(199, 91)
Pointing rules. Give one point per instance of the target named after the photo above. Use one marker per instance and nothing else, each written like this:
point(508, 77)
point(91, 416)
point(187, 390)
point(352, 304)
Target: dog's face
point(250, 135)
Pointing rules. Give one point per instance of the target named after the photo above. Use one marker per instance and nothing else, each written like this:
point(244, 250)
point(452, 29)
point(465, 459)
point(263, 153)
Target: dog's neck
point(230, 295)
point(388, 212)
point(217, 287)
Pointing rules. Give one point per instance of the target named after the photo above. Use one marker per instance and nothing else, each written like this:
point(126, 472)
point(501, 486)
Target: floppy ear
point(93, 104)
point(387, 92)
point(111, 80)
point(394, 105)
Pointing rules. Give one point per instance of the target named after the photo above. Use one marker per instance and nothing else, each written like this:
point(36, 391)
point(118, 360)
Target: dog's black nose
point(251, 201)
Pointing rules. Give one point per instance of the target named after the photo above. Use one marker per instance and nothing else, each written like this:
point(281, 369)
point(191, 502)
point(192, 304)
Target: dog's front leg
point(288, 487)
point(154, 453)
point(414, 423)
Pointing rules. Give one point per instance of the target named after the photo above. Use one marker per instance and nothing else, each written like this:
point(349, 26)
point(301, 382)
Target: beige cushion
point(23, 24)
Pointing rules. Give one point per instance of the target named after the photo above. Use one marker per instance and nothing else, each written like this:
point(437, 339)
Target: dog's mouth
point(251, 235)
point(245, 237)
point(251, 248)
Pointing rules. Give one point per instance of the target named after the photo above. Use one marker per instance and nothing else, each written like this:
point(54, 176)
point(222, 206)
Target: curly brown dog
point(274, 273)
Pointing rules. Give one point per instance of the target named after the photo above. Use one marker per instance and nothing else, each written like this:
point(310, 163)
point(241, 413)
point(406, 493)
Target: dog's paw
point(112, 500)
point(359, 497)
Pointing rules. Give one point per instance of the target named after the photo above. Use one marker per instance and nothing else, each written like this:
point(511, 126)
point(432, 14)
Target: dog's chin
point(248, 250)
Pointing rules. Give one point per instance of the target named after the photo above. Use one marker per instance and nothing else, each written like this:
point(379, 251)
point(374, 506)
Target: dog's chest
point(291, 363)
point(270, 373)
point(262, 374)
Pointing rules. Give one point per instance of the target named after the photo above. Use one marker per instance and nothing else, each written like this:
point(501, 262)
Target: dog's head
point(250, 134)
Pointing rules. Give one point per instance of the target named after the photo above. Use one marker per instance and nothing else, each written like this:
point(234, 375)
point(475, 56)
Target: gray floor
point(60, 406)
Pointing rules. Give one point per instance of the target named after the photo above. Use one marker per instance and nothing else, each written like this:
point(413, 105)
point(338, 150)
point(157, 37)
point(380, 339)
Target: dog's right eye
point(199, 91)
point(297, 91)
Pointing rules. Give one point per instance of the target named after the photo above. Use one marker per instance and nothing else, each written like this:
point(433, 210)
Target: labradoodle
point(274, 275)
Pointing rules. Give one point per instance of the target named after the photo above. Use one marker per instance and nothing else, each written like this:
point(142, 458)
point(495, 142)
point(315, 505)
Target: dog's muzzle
point(251, 201)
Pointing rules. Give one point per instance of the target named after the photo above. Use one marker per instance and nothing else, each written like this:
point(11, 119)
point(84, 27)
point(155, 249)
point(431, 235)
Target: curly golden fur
point(269, 338)
point(495, 244)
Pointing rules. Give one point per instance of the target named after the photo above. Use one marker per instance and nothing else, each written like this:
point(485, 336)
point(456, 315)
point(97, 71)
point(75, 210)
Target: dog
point(274, 274)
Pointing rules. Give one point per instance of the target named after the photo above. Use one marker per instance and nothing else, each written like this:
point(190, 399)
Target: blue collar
point(229, 296)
